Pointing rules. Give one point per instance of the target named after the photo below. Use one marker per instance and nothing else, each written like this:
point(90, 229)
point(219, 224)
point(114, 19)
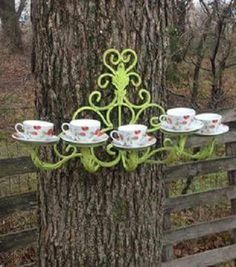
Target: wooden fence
point(227, 163)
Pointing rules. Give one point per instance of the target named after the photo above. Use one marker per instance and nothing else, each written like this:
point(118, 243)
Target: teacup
point(211, 122)
point(82, 129)
point(130, 134)
point(35, 129)
point(178, 118)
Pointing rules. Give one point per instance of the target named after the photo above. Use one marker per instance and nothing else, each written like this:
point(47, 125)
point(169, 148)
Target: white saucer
point(150, 141)
point(221, 130)
point(193, 127)
point(100, 139)
point(50, 140)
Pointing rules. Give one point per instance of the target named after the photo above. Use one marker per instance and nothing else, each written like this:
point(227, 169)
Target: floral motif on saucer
point(99, 139)
point(148, 141)
point(49, 140)
point(193, 127)
point(221, 130)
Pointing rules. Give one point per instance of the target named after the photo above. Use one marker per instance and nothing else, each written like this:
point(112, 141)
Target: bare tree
point(11, 32)
point(198, 58)
point(177, 29)
point(223, 14)
point(212, 43)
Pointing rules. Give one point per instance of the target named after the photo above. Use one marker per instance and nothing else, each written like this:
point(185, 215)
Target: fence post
point(231, 151)
point(168, 251)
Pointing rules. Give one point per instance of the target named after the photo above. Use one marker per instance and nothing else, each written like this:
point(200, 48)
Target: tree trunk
point(111, 218)
point(199, 58)
point(10, 24)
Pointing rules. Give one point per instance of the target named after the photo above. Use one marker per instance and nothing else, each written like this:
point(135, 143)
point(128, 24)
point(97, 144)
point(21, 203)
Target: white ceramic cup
point(35, 129)
point(82, 129)
point(178, 118)
point(130, 134)
point(211, 122)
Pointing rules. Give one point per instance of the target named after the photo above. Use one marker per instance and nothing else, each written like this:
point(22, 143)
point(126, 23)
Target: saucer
point(149, 141)
point(221, 130)
point(49, 140)
point(99, 139)
point(193, 127)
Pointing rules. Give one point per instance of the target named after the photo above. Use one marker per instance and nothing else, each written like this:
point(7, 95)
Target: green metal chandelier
point(119, 77)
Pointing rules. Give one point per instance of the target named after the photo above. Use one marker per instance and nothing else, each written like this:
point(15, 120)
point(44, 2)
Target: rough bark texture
point(111, 218)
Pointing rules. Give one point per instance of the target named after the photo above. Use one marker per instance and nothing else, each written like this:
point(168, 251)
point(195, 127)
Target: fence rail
point(200, 230)
point(19, 202)
point(174, 204)
point(17, 240)
point(27, 201)
point(207, 258)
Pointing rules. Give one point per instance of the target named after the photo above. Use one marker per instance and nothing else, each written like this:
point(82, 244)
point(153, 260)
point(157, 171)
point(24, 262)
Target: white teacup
point(35, 129)
point(82, 129)
point(130, 134)
point(178, 118)
point(211, 122)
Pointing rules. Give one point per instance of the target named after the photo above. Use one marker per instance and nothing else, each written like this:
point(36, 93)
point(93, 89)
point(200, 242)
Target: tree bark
point(111, 218)
point(10, 24)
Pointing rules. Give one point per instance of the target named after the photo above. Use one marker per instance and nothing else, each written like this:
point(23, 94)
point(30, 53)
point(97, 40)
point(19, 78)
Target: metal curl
point(110, 151)
point(143, 95)
point(58, 154)
point(97, 95)
point(106, 164)
point(93, 109)
point(154, 122)
point(103, 80)
point(72, 148)
point(126, 58)
point(108, 115)
point(115, 58)
point(168, 142)
point(144, 108)
point(133, 76)
point(51, 166)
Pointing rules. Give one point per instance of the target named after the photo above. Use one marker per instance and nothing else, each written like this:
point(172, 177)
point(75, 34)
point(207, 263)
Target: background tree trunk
point(10, 24)
point(111, 218)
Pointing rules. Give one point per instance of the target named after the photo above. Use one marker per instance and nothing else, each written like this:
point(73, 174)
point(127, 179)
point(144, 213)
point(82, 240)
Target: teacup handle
point(163, 117)
point(112, 135)
point(63, 127)
point(17, 128)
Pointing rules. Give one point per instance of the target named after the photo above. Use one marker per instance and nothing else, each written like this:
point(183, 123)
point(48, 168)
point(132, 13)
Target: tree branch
point(21, 8)
point(230, 65)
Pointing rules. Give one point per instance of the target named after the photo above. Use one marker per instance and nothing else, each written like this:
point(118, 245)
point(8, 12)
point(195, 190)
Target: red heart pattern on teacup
point(186, 117)
point(214, 121)
point(37, 127)
point(137, 132)
point(98, 133)
point(49, 132)
point(85, 128)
